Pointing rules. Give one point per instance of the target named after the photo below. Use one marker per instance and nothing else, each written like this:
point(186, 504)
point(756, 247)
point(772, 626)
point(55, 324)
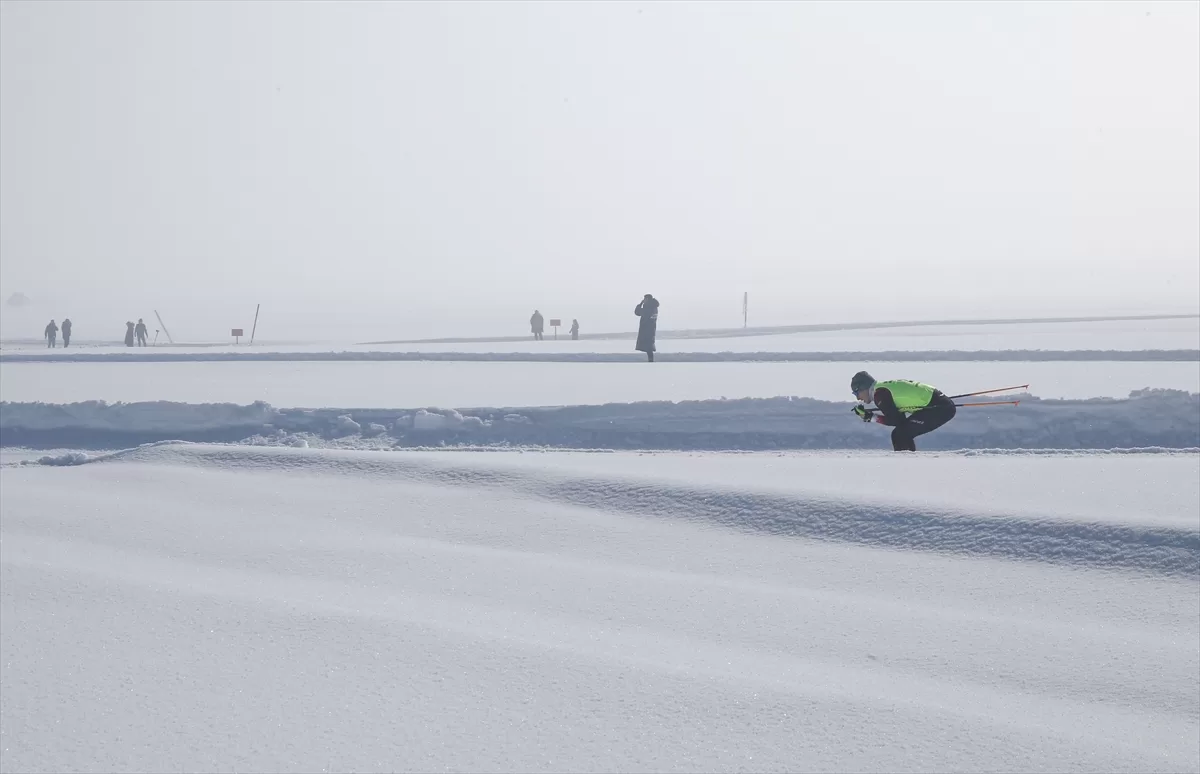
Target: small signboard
point(554, 323)
point(237, 333)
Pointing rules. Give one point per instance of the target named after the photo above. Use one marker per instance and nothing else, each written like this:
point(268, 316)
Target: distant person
point(574, 330)
point(648, 327)
point(129, 334)
point(66, 332)
point(141, 332)
point(51, 334)
point(537, 325)
point(911, 408)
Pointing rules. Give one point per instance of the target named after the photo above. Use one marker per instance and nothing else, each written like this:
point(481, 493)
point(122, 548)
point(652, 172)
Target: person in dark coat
point(129, 334)
point(537, 324)
point(574, 330)
point(141, 332)
point(51, 334)
point(648, 327)
point(66, 332)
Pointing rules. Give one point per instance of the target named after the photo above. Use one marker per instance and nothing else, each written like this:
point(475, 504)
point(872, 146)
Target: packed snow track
point(182, 607)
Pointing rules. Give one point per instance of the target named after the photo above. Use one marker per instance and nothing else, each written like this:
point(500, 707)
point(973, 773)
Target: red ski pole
point(986, 392)
point(990, 403)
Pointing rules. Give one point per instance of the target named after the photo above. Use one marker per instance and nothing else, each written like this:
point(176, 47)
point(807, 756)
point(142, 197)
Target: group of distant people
point(647, 310)
point(537, 324)
point(52, 333)
point(134, 332)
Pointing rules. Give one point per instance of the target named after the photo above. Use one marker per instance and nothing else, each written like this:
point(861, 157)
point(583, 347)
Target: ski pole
point(985, 392)
point(990, 403)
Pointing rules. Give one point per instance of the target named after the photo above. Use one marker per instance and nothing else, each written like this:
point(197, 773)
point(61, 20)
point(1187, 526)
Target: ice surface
point(1157, 418)
point(227, 608)
point(457, 384)
point(1121, 335)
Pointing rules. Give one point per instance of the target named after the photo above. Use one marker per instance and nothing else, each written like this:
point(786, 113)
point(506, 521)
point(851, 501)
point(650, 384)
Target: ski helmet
point(861, 381)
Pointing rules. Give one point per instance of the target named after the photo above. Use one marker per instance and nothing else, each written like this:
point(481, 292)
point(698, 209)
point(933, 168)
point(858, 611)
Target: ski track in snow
point(1148, 418)
point(185, 606)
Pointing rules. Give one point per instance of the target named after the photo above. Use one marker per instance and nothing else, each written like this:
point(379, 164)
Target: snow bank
point(1148, 418)
point(614, 612)
point(1002, 355)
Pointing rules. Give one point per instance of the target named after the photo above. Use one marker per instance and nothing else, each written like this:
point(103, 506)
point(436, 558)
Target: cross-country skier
point(911, 408)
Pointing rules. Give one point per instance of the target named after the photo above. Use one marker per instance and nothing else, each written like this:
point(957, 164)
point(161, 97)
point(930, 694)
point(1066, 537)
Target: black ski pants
point(939, 411)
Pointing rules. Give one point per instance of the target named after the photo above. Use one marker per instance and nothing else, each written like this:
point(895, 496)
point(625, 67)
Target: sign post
point(554, 323)
point(237, 334)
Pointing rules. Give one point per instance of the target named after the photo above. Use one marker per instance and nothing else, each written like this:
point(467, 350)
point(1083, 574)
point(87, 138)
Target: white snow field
point(460, 384)
point(188, 607)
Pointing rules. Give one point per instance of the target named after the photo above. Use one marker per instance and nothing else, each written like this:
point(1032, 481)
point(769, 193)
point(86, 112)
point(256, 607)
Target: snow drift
point(264, 609)
point(1148, 418)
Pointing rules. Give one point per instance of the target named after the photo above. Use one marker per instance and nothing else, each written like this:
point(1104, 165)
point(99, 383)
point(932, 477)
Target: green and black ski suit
point(912, 409)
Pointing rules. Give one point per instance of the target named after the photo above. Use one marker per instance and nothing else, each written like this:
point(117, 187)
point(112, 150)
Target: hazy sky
point(383, 169)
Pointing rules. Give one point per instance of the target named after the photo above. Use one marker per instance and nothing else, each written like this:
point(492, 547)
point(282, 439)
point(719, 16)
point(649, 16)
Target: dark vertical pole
point(164, 326)
point(255, 328)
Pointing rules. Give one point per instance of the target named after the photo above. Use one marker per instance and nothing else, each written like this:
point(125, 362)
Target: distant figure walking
point(537, 325)
point(66, 332)
point(129, 334)
point(574, 330)
point(648, 327)
point(141, 332)
point(51, 334)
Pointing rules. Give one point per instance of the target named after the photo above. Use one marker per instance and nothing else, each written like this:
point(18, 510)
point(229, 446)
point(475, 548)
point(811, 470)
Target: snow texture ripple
point(217, 608)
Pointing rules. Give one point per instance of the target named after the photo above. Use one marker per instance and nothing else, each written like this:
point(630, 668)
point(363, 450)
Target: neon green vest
point(909, 396)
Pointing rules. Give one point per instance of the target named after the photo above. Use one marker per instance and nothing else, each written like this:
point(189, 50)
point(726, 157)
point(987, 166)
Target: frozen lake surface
point(457, 384)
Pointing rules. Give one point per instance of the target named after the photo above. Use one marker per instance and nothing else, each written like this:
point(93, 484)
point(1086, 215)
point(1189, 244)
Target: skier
point(66, 332)
point(911, 408)
point(536, 324)
point(51, 334)
point(648, 326)
point(141, 332)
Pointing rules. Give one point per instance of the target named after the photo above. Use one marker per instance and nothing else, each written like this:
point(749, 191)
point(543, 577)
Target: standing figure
point(51, 334)
point(537, 325)
point(129, 334)
point(574, 330)
point(66, 332)
point(141, 332)
point(648, 327)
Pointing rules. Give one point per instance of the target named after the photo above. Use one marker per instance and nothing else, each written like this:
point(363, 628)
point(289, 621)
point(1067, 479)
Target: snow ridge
point(1167, 419)
point(896, 524)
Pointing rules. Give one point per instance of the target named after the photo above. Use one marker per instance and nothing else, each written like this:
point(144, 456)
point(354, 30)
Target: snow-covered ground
point(222, 608)
point(383, 384)
point(320, 592)
point(1101, 335)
